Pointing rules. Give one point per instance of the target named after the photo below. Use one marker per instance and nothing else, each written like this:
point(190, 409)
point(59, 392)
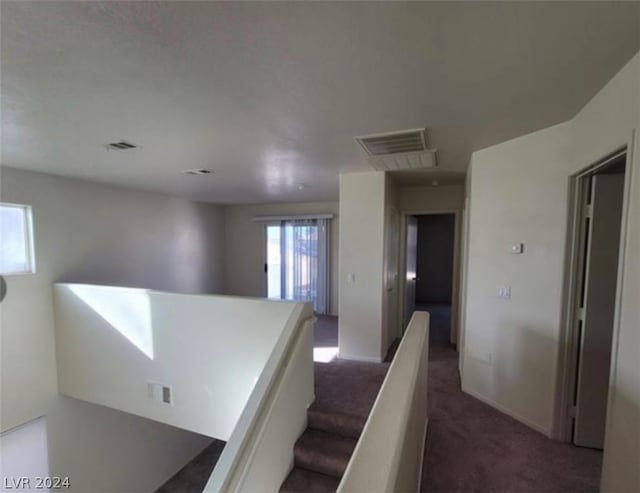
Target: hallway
point(472, 447)
point(439, 321)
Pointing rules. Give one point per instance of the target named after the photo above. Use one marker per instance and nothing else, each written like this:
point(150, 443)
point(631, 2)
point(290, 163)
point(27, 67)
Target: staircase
point(345, 392)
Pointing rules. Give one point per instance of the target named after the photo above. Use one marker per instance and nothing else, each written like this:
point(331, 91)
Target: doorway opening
point(430, 255)
point(596, 263)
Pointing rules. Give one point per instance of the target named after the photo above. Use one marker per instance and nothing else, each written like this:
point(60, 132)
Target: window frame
point(28, 238)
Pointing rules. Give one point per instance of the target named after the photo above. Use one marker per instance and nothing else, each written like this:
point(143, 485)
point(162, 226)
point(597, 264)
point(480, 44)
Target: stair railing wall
point(258, 455)
point(389, 453)
point(190, 361)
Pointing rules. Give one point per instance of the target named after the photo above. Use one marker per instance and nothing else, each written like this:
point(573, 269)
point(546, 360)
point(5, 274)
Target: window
point(297, 261)
point(16, 240)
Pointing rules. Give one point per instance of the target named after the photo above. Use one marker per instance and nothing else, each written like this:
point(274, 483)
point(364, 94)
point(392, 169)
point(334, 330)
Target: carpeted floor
point(326, 331)
point(345, 392)
point(439, 321)
point(193, 477)
point(471, 447)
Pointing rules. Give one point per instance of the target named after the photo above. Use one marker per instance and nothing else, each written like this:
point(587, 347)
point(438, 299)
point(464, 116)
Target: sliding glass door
point(297, 261)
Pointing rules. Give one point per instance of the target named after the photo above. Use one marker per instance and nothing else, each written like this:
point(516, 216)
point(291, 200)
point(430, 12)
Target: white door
point(595, 323)
point(410, 279)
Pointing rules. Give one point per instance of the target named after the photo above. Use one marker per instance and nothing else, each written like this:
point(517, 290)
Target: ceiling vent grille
point(121, 145)
point(406, 149)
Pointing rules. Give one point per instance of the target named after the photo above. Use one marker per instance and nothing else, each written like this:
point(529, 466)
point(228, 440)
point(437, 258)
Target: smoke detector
point(404, 149)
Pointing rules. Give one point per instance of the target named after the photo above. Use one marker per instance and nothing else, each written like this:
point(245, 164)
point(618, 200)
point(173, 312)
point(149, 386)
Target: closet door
point(602, 218)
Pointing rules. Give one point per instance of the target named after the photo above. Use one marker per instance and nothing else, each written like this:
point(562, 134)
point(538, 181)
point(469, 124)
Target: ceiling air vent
point(406, 149)
point(121, 145)
point(198, 171)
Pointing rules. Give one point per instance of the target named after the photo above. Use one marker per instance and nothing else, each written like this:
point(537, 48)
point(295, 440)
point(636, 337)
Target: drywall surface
point(23, 454)
point(258, 455)
point(108, 451)
point(605, 124)
point(96, 233)
point(390, 295)
point(209, 350)
point(424, 198)
point(464, 269)
point(436, 233)
point(245, 246)
point(362, 221)
point(511, 345)
point(519, 193)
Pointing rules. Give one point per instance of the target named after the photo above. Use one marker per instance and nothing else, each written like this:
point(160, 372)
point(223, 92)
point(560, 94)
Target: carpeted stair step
point(305, 481)
point(323, 452)
point(343, 424)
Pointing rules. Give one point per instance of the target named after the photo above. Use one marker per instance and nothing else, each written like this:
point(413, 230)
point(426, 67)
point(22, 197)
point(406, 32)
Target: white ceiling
point(270, 95)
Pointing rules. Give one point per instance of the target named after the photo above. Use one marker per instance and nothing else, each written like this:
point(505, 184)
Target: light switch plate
point(504, 292)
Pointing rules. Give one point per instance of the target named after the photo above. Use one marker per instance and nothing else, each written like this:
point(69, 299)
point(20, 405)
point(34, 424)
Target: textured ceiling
point(270, 95)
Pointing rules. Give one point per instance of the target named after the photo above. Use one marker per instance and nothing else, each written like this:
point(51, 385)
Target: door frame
point(574, 255)
point(265, 253)
point(454, 335)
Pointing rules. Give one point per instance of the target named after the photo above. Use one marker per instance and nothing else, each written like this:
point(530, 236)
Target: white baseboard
point(525, 421)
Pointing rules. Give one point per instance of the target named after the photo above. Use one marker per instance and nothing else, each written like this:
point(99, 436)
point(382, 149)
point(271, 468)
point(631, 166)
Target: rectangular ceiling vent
point(406, 149)
point(121, 145)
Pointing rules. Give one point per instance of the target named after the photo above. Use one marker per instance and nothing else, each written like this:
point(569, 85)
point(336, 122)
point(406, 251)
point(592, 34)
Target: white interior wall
point(390, 295)
point(23, 454)
point(245, 246)
point(371, 205)
point(464, 269)
point(519, 193)
point(89, 232)
point(606, 123)
point(258, 455)
point(104, 450)
point(429, 198)
point(362, 215)
point(210, 350)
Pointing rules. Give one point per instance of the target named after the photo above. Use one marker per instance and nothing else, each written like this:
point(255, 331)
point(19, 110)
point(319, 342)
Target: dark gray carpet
point(194, 476)
point(345, 392)
point(326, 331)
point(471, 447)
point(439, 321)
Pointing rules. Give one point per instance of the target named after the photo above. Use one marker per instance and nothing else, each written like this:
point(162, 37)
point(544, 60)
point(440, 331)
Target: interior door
point(410, 279)
point(596, 313)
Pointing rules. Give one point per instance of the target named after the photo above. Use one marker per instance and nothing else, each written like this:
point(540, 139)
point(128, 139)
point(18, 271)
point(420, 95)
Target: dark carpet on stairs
point(193, 477)
point(345, 392)
point(471, 447)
